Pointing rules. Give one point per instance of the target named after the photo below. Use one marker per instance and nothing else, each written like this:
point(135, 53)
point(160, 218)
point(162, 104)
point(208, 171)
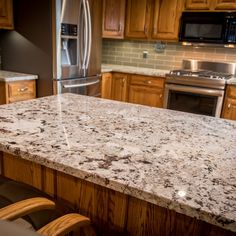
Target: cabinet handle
point(229, 105)
point(145, 30)
point(160, 95)
point(149, 82)
point(23, 89)
point(120, 28)
point(123, 81)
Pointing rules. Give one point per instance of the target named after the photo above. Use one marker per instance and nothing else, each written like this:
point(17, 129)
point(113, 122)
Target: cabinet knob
point(23, 89)
point(149, 82)
point(160, 95)
point(229, 105)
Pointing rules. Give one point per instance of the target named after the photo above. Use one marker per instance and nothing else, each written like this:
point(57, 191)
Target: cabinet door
point(106, 85)
point(225, 5)
point(119, 86)
point(198, 4)
point(229, 111)
point(145, 95)
point(138, 16)
point(167, 14)
point(113, 18)
point(6, 14)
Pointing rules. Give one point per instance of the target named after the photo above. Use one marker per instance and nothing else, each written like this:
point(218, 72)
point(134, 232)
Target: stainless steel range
point(198, 87)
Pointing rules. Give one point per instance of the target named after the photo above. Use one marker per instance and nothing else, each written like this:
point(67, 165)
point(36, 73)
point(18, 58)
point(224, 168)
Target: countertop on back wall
point(133, 70)
point(9, 76)
point(176, 160)
point(143, 71)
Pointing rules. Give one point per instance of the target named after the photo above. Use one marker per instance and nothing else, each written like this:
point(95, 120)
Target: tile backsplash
point(127, 52)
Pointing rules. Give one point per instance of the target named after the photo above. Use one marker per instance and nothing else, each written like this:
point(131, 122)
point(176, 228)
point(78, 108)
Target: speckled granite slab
point(8, 76)
point(143, 71)
point(232, 81)
point(177, 160)
point(133, 70)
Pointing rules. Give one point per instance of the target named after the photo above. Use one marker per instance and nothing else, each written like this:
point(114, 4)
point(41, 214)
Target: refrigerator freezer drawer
point(90, 86)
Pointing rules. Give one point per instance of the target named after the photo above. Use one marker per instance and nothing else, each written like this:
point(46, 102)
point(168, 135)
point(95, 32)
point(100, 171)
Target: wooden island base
point(111, 212)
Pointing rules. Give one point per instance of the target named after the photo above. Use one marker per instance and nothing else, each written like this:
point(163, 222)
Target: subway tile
point(135, 60)
point(133, 55)
point(124, 59)
point(128, 52)
point(231, 58)
point(226, 51)
point(146, 65)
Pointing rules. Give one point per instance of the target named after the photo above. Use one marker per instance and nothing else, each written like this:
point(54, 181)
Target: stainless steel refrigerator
point(60, 41)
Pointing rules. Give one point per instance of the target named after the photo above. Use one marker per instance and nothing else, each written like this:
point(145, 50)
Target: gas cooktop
point(201, 74)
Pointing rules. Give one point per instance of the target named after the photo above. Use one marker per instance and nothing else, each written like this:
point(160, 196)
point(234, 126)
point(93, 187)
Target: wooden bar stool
point(19, 200)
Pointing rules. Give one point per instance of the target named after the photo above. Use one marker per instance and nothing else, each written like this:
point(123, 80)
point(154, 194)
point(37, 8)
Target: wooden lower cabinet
point(146, 90)
point(119, 87)
point(111, 212)
point(138, 89)
point(17, 91)
point(106, 85)
point(229, 109)
point(145, 96)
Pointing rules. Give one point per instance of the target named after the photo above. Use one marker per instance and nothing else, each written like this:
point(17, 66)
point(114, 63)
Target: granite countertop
point(8, 76)
point(143, 71)
point(232, 81)
point(133, 70)
point(176, 160)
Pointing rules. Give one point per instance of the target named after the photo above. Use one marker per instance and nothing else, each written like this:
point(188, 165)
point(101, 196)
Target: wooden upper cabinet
point(113, 18)
point(198, 4)
point(6, 14)
point(167, 15)
point(138, 17)
point(210, 5)
point(225, 5)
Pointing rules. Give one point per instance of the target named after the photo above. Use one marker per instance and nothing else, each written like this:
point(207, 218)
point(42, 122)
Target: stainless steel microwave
point(208, 27)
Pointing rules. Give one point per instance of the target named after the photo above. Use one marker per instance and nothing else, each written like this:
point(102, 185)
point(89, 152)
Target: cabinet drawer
point(146, 80)
point(22, 90)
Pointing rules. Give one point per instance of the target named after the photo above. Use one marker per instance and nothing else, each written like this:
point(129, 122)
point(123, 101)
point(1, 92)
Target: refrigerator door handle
point(89, 34)
point(85, 38)
point(81, 85)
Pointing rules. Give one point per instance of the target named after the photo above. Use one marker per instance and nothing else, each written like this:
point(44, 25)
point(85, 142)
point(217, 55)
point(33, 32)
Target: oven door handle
point(190, 89)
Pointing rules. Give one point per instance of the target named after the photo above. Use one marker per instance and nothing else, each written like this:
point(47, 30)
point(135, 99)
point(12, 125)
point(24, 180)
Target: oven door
point(195, 100)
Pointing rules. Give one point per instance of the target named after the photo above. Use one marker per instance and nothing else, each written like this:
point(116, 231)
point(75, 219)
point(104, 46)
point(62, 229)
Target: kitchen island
point(132, 169)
